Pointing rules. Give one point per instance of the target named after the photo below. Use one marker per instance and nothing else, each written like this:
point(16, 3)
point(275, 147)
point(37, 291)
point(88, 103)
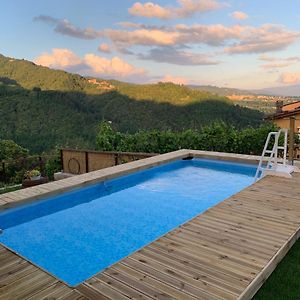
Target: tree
point(107, 138)
point(10, 150)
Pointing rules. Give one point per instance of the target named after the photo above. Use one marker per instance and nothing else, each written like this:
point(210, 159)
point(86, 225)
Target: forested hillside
point(41, 108)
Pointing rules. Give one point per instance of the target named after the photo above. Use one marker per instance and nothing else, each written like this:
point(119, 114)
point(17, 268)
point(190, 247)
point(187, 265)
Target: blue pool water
point(77, 234)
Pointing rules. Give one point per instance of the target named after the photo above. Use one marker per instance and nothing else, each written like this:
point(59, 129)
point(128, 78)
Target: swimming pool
point(79, 233)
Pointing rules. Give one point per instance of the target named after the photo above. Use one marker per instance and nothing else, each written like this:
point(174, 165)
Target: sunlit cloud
point(174, 79)
point(278, 62)
point(265, 57)
point(185, 8)
point(90, 64)
point(290, 78)
point(275, 65)
point(150, 10)
point(268, 37)
point(59, 59)
point(114, 67)
point(277, 59)
point(236, 39)
point(239, 15)
point(104, 48)
point(143, 37)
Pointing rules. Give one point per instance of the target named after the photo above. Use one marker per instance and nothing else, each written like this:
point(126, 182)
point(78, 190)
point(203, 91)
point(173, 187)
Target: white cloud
point(265, 57)
point(149, 10)
point(268, 37)
point(278, 62)
point(59, 58)
point(238, 38)
point(174, 79)
point(278, 59)
point(185, 9)
point(90, 64)
point(114, 67)
point(234, 39)
point(104, 48)
point(144, 37)
point(290, 78)
point(275, 65)
point(239, 15)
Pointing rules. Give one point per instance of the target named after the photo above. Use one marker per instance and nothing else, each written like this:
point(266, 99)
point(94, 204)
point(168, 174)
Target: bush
point(53, 164)
point(10, 150)
point(215, 137)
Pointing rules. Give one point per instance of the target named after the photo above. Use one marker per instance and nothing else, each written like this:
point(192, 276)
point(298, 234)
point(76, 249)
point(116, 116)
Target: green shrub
point(53, 164)
point(218, 136)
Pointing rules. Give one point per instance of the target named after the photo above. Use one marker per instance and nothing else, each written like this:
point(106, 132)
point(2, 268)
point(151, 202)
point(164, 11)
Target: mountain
point(287, 91)
point(41, 108)
point(221, 91)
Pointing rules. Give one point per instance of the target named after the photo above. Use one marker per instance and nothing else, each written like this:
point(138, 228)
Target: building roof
point(284, 114)
point(287, 110)
point(291, 106)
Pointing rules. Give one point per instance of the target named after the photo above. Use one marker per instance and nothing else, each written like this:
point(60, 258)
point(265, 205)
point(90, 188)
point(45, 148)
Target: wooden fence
point(84, 161)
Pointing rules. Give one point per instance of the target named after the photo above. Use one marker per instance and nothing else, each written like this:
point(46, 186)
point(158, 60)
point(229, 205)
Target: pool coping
point(30, 194)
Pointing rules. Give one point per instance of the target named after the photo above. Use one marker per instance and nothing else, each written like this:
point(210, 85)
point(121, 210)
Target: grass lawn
point(284, 283)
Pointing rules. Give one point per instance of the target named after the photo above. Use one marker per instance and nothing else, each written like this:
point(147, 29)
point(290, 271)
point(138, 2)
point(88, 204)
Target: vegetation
point(16, 165)
point(165, 92)
point(32, 173)
point(284, 282)
point(7, 189)
point(221, 91)
point(31, 76)
point(43, 108)
point(215, 137)
point(10, 150)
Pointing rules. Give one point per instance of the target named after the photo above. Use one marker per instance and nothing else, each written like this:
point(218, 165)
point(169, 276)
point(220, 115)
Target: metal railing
point(272, 159)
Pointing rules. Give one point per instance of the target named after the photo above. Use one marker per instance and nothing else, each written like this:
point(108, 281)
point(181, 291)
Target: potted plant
point(33, 174)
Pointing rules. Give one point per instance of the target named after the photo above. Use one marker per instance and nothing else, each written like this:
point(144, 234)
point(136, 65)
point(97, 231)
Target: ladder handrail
point(272, 161)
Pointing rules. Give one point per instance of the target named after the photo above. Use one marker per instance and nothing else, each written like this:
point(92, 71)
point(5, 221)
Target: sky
point(249, 44)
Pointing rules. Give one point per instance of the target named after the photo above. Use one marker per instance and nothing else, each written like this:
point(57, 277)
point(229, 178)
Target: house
point(283, 114)
point(282, 118)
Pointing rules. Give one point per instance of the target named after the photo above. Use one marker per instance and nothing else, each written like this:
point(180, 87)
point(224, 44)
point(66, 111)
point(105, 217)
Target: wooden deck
point(224, 253)
point(20, 280)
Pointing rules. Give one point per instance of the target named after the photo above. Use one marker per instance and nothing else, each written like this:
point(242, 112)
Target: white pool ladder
point(272, 165)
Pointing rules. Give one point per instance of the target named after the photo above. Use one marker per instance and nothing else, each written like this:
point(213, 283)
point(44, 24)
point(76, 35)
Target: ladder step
point(280, 147)
point(268, 151)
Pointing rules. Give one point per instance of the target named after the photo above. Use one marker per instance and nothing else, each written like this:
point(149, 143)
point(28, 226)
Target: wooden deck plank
point(258, 230)
point(191, 272)
point(244, 236)
point(200, 260)
point(232, 241)
point(244, 256)
point(55, 291)
point(176, 288)
point(25, 286)
point(178, 278)
point(120, 287)
point(195, 254)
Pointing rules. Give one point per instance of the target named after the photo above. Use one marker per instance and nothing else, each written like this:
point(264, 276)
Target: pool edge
point(23, 196)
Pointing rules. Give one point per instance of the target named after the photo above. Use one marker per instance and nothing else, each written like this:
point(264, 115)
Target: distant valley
point(263, 100)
